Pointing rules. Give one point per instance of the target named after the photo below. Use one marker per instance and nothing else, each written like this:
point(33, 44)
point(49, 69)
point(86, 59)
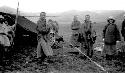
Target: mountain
point(67, 17)
point(7, 10)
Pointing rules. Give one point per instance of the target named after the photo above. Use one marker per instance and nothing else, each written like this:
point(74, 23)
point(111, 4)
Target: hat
point(111, 18)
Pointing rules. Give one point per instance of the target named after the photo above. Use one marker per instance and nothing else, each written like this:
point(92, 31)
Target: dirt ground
point(63, 62)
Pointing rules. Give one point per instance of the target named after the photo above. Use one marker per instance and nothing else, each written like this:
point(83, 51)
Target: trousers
point(44, 48)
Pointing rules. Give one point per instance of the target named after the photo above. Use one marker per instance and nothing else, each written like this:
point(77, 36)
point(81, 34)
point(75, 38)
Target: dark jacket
point(111, 34)
point(123, 29)
point(87, 32)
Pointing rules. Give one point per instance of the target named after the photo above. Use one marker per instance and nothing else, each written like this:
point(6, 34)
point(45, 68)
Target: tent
point(25, 34)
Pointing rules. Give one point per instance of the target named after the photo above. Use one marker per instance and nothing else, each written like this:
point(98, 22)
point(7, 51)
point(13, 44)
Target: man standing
point(43, 48)
point(86, 37)
point(123, 28)
point(111, 36)
point(75, 32)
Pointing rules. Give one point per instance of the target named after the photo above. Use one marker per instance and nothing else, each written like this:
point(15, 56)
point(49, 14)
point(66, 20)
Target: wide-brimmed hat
point(111, 18)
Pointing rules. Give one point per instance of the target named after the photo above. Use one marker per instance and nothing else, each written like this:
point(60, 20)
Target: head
point(111, 20)
point(50, 21)
point(87, 17)
point(75, 18)
point(42, 15)
point(124, 16)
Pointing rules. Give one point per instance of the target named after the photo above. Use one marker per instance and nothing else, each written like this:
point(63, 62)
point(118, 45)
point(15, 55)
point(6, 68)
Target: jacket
point(42, 27)
point(111, 34)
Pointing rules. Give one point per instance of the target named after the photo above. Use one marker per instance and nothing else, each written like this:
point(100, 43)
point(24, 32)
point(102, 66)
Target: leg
point(105, 51)
point(90, 50)
point(114, 52)
point(39, 50)
point(83, 50)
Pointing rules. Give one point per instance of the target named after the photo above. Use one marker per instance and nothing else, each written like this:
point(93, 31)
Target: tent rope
point(102, 68)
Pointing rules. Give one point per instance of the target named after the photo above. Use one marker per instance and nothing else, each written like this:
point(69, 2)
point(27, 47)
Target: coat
point(111, 34)
point(42, 27)
point(85, 30)
point(44, 45)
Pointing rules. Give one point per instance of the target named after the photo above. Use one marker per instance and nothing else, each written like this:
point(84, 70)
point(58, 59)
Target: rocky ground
point(63, 62)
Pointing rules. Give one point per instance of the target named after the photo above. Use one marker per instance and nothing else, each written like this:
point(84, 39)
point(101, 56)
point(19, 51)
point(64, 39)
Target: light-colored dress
point(4, 29)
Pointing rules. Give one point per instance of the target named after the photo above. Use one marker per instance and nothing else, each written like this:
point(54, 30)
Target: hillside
point(65, 18)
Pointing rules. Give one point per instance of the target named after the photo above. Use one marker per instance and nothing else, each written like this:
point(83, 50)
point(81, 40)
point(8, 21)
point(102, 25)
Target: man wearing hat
point(43, 48)
point(111, 36)
point(123, 28)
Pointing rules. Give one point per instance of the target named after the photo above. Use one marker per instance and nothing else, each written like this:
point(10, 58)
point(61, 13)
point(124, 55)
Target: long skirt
point(109, 50)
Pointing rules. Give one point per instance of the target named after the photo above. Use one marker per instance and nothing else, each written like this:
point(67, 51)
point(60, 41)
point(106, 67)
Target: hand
point(117, 41)
point(103, 39)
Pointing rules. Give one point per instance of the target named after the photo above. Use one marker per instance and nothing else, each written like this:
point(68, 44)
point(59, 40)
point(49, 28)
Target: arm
point(122, 29)
point(118, 37)
point(72, 25)
point(104, 31)
point(38, 26)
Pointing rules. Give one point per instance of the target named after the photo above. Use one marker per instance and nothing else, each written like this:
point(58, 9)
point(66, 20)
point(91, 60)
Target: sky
point(56, 6)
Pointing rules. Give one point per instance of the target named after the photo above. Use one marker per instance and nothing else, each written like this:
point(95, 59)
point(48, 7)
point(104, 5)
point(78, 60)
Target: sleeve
point(57, 27)
point(72, 25)
point(118, 37)
point(122, 29)
point(104, 31)
point(79, 24)
point(38, 26)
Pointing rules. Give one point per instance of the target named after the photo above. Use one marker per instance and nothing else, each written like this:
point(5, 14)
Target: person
point(43, 48)
point(75, 26)
point(4, 31)
point(52, 31)
point(57, 27)
point(123, 28)
point(111, 36)
point(86, 36)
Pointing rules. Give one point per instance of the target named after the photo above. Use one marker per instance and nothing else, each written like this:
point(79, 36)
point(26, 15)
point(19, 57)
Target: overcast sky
point(53, 6)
